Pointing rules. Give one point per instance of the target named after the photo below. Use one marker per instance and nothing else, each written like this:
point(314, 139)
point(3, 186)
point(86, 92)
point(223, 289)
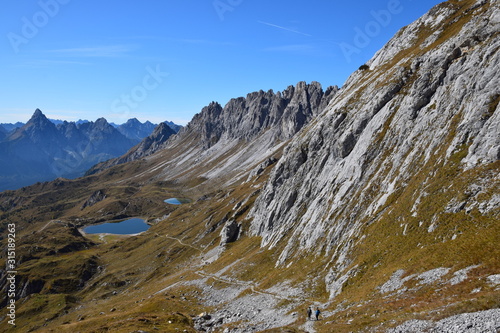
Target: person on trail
point(309, 313)
point(317, 313)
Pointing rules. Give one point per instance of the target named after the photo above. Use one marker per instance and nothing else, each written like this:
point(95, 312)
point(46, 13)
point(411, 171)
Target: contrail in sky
point(283, 28)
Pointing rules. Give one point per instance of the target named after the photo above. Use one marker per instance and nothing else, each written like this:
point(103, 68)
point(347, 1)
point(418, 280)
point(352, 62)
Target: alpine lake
point(132, 226)
point(177, 201)
point(127, 227)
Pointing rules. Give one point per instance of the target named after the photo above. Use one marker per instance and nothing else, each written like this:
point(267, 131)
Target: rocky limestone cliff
point(429, 99)
point(244, 118)
point(249, 130)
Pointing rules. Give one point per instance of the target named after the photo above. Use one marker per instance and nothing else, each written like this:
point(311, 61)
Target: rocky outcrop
point(261, 167)
point(229, 232)
point(483, 321)
point(96, 197)
point(428, 100)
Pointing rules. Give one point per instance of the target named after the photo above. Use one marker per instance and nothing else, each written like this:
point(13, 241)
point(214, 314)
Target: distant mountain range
point(44, 149)
point(126, 129)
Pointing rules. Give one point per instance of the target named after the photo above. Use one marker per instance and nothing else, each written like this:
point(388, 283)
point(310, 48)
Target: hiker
point(317, 313)
point(309, 313)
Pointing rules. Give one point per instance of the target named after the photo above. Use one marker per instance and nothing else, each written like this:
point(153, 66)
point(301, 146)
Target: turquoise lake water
point(127, 227)
point(177, 201)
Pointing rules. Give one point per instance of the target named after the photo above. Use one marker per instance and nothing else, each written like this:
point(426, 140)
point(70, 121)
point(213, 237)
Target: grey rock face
point(417, 100)
point(96, 197)
point(229, 232)
point(484, 321)
point(261, 167)
point(244, 118)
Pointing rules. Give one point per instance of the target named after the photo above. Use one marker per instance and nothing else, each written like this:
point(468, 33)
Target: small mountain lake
point(177, 201)
point(127, 227)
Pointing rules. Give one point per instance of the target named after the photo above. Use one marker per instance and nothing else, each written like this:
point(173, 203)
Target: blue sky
point(165, 59)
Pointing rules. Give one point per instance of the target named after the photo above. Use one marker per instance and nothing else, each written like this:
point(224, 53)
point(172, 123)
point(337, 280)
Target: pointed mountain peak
point(38, 114)
point(102, 122)
point(102, 119)
point(38, 118)
point(39, 129)
point(133, 121)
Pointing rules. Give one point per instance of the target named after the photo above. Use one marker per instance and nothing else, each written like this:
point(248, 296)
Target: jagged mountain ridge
point(261, 122)
point(244, 118)
point(245, 131)
point(9, 127)
point(383, 209)
point(134, 129)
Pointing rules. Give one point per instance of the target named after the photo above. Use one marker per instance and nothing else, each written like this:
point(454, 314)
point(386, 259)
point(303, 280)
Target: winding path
point(243, 284)
point(182, 243)
point(308, 326)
